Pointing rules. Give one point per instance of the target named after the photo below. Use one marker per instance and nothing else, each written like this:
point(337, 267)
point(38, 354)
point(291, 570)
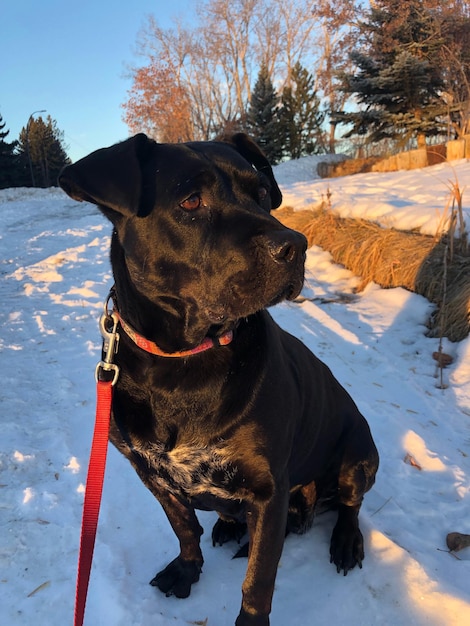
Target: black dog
point(216, 407)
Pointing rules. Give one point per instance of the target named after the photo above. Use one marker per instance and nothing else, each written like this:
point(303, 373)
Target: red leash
point(94, 488)
point(97, 463)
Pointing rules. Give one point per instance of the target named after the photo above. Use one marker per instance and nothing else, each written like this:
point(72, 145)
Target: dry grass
point(393, 258)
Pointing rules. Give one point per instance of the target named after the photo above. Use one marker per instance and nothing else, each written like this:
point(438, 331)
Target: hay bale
point(351, 166)
point(418, 158)
point(393, 258)
point(403, 161)
point(325, 168)
point(436, 154)
point(456, 149)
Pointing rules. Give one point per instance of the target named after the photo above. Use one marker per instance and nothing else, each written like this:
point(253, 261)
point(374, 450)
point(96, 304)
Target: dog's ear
point(253, 153)
point(112, 177)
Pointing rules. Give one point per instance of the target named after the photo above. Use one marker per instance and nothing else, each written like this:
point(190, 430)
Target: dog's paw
point(177, 577)
point(227, 530)
point(346, 548)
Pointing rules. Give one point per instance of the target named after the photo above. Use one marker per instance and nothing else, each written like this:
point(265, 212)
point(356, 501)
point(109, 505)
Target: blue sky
point(70, 58)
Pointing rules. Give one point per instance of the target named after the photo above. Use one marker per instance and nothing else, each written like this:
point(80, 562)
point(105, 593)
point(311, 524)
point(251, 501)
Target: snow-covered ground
point(54, 278)
point(407, 200)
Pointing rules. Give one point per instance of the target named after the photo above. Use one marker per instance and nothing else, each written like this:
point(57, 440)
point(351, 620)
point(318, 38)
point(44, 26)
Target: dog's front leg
point(266, 527)
point(356, 476)
point(178, 576)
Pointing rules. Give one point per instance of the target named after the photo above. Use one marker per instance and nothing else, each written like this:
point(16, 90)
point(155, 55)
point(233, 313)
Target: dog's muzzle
point(287, 246)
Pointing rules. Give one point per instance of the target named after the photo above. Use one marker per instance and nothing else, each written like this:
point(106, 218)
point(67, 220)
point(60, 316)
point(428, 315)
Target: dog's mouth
point(287, 292)
point(290, 292)
point(216, 315)
point(223, 318)
point(220, 322)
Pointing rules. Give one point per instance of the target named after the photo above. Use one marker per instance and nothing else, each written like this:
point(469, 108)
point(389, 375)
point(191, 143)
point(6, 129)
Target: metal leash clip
point(108, 329)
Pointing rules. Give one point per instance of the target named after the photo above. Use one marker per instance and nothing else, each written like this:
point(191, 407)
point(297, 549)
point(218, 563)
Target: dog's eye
point(262, 193)
point(193, 202)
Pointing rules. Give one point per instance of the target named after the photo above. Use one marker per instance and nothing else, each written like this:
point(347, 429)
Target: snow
point(405, 200)
point(55, 276)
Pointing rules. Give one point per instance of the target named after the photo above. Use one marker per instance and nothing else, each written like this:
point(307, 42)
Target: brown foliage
point(158, 105)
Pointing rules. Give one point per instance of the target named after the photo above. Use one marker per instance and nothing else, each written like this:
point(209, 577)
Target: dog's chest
point(191, 470)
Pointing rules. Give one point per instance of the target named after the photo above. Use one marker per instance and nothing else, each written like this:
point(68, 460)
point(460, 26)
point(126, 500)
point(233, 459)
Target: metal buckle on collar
point(108, 329)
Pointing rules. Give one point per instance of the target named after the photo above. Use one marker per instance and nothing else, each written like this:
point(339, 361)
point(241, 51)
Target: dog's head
point(194, 242)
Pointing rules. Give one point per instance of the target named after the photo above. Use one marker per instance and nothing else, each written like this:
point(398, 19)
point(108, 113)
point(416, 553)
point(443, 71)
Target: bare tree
point(230, 24)
point(214, 64)
point(165, 84)
point(335, 39)
point(297, 37)
point(454, 59)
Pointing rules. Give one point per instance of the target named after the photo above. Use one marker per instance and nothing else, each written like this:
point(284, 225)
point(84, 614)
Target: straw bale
point(393, 258)
point(418, 158)
point(350, 166)
point(436, 153)
point(456, 149)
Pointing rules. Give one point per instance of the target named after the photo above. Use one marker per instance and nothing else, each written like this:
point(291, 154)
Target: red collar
point(150, 346)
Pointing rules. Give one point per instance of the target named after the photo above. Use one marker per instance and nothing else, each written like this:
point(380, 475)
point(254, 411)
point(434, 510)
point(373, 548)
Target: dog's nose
point(286, 246)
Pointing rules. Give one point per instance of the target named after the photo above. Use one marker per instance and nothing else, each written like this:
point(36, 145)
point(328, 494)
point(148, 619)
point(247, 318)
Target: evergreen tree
point(397, 79)
point(9, 162)
point(262, 116)
point(300, 116)
point(41, 144)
